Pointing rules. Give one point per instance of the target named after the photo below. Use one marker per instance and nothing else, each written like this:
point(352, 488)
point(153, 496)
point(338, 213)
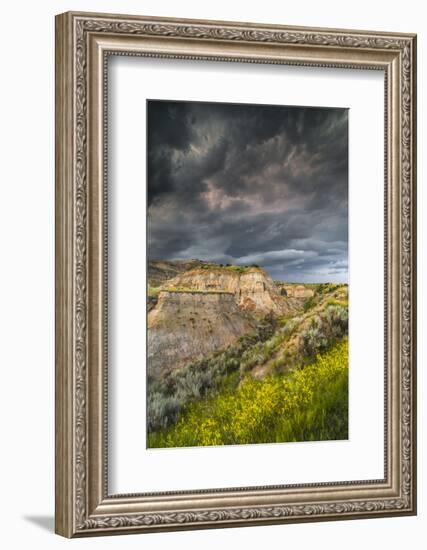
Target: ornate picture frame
point(84, 42)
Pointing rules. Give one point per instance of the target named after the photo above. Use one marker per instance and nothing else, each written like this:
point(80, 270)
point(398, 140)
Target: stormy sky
point(250, 184)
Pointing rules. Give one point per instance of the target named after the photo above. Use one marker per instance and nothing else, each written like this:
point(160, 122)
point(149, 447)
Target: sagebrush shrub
point(337, 319)
point(314, 338)
point(162, 411)
point(194, 384)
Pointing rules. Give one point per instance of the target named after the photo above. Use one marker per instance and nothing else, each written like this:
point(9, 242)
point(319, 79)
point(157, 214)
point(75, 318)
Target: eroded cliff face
point(253, 290)
point(186, 326)
point(295, 291)
point(206, 308)
point(160, 271)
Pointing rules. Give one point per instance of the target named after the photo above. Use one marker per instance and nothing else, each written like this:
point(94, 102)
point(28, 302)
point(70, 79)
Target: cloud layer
point(250, 184)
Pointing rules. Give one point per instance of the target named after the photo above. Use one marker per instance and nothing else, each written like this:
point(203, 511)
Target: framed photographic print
point(235, 274)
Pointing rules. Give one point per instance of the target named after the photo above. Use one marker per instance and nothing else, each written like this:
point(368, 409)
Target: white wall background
point(27, 274)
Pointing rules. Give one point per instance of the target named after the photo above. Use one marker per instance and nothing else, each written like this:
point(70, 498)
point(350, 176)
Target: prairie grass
point(153, 291)
point(189, 290)
point(304, 404)
point(309, 304)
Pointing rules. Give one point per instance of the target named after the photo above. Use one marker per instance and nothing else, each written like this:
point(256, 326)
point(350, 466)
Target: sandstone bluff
point(204, 308)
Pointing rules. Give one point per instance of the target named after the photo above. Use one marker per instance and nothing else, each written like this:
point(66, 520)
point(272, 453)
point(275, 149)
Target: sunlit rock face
point(254, 291)
point(296, 291)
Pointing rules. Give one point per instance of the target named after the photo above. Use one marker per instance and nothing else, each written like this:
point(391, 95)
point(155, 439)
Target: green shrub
point(337, 317)
point(194, 385)
point(153, 292)
point(309, 303)
point(161, 411)
point(314, 338)
point(325, 329)
point(321, 288)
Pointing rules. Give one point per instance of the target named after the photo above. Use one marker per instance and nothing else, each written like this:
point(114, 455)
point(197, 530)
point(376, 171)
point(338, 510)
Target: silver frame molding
point(83, 43)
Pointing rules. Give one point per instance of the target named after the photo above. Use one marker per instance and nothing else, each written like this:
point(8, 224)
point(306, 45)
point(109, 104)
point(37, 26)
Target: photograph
point(247, 274)
point(235, 271)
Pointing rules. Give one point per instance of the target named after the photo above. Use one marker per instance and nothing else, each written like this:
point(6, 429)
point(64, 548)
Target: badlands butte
point(199, 309)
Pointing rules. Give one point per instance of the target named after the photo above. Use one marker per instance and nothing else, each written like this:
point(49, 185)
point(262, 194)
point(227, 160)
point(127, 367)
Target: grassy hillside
point(278, 345)
point(303, 404)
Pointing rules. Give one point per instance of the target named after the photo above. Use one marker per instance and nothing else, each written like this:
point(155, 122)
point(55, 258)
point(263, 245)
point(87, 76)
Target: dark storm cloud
point(250, 184)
